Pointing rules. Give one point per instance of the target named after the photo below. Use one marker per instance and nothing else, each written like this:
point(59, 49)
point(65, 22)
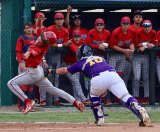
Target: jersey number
point(97, 60)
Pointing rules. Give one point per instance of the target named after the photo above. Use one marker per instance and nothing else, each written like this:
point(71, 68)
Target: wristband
point(60, 45)
point(144, 44)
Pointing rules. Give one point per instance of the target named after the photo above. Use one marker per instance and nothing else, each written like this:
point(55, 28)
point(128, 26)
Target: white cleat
point(145, 116)
point(100, 121)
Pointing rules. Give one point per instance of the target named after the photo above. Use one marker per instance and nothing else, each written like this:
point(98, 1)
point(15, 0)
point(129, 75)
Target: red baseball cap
point(99, 20)
point(146, 23)
point(76, 33)
point(50, 36)
point(39, 14)
point(58, 15)
point(125, 19)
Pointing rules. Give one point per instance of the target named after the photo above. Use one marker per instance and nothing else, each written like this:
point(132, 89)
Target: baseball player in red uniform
point(53, 56)
point(35, 74)
point(22, 45)
point(137, 18)
point(121, 41)
point(76, 24)
point(68, 60)
point(99, 37)
point(145, 38)
point(38, 28)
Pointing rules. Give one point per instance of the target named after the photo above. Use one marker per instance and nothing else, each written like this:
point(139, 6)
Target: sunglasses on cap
point(99, 24)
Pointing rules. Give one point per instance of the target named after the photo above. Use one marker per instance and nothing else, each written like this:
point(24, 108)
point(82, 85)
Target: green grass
point(73, 117)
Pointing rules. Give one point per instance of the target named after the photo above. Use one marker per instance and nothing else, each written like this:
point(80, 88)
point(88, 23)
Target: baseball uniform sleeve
point(76, 67)
point(35, 50)
point(19, 45)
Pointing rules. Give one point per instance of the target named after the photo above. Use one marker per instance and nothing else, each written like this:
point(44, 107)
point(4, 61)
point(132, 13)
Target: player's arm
point(19, 45)
point(61, 71)
point(34, 50)
point(67, 21)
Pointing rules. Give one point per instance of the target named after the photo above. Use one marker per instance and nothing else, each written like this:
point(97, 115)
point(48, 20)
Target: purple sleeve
point(76, 67)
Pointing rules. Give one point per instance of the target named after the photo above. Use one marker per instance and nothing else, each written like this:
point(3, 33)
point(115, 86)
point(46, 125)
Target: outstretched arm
point(62, 70)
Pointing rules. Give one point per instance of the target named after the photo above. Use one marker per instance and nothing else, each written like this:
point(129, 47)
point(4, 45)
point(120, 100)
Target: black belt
point(97, 74)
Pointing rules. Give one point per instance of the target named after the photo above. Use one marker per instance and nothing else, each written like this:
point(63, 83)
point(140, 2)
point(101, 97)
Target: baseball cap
point(146, 23)
point(138, 12)
point(58, 15)
point(76, 33)
point(39, 14)
point(99, 21)
point(125, 19)
point(50, 36)
point(76, 17)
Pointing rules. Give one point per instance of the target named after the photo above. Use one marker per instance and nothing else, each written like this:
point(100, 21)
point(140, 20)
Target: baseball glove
point(48, 70)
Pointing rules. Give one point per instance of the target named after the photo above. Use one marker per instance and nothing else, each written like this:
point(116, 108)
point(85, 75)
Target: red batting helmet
point(48, 37)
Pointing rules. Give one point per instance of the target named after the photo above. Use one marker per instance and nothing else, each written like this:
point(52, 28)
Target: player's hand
point(150, 45)
point(102, 47)
point(44, 63)
point(69, 9)
point(22, 67)
point(127, 52)
point(141, 49)
point(105, 44)
point(67, 44)
point(27, 54)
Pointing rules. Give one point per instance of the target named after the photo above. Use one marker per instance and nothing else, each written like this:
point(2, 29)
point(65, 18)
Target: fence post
point(152, 77)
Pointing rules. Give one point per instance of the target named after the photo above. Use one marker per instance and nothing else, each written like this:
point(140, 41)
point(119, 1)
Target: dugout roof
point(93, 4)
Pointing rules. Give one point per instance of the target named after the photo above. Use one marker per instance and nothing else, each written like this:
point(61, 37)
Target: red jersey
point(39, 30)
point(120, 39)
point(22, 45)
point(141, 36)
point(94, 38)
point(158, 36)
point(70, 57)
point(62, 35)
point(132, 27)
point(36, 56)
point(83, 31)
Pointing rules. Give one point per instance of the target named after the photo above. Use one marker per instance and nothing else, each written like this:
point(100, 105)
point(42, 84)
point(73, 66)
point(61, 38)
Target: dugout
point(15, 13)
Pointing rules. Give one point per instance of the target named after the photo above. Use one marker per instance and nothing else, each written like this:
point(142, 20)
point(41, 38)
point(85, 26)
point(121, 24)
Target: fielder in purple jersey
point(103, 77)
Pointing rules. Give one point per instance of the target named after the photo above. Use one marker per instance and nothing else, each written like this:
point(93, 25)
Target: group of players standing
point(123, 39)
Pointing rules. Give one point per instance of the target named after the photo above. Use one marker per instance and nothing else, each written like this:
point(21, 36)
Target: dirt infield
point(62, 127)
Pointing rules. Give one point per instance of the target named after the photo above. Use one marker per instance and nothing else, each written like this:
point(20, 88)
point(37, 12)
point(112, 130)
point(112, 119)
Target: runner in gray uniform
point(145, 38)
point(103, 77)
point(35, 74)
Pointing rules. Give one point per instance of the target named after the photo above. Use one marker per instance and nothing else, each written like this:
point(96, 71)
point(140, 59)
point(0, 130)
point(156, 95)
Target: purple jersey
point(90, 66)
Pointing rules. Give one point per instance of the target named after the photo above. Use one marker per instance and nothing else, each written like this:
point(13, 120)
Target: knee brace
point(134, 106)
point(96, 106)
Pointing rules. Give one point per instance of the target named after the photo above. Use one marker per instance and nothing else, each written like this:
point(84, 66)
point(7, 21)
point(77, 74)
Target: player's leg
point(46, 84)
point(22, 79)
point(145, 75)
point(98, 87)
point(136, 74)
point(119, 89)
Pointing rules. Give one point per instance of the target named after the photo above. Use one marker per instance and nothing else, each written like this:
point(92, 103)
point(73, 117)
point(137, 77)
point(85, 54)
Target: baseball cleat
point(145, 118)
point(28, 105)
point(100, 122)
point(79, 105)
